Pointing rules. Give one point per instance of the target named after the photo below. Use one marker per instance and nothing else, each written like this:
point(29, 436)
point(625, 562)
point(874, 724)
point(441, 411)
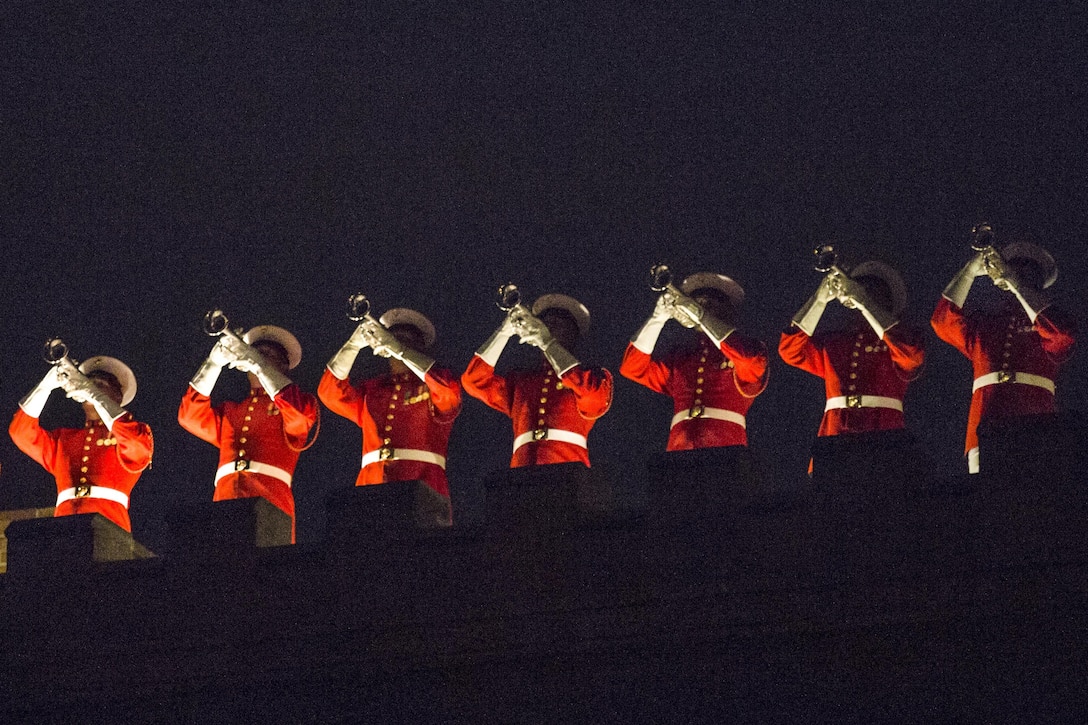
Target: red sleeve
point(196, 415)
point(445, 393)
point(33, 440)
point(907, 349)
point(482, 383)
point(340, 396)
point(950, 324)
point(593, 389)
point(644, 370)
point(135, 444)
point(299, 411)
point(749, 358)
point(1058, 332)
point(797, 349)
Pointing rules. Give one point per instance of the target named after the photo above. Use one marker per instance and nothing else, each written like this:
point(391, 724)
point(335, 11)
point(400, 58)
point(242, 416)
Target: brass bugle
point(982, 237)
point(660, 277)
point(216, 323)
point(508, 297)
point(358, 307)
point(827, 259)
point(54, 351)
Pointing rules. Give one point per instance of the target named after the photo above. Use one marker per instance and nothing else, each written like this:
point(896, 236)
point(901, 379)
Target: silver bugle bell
point(827, 258)
point(358, 307)
point(660, 277)
point(982, 237)
point(508, 297)
point(216, 323)
point(54, 351)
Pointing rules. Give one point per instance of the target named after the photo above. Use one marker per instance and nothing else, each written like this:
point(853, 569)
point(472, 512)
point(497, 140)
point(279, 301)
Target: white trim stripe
point(863, 401)
point(1003, 376)
point(551, 434)
point(263, 469)
point(404, 454)
point(109, 494)
point(729, 416)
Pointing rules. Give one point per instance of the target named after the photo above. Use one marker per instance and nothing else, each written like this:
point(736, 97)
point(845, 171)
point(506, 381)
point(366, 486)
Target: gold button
point(389, 417)
point(83, 470)
point(394, 396)
point(248, 417)
point(543, 399)
point(241, 440)
point(698, 381)
point(698, 391)
point(854, 364)
point(245, 428)
point(86, 458)
point(559, 386)
point(540, 422)
point(82, 480)
point(388, 428)
point(852, 388)
point(86, 448)
point(700, 369)
point(241, 452)
point(387, 441)
point(853, 376)
point(854, 353)
point(392, 406)
point(396, 387)
point(541, 411)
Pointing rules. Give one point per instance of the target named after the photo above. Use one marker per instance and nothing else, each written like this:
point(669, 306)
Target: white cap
point(713, 280)
point(405, 316)
point(556, 301)
point(281, 337)
point(1035, 253)
point(891, 278)
point(117, 369)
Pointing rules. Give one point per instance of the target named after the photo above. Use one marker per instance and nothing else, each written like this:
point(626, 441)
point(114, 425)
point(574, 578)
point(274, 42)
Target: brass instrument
point(359, 308)
point(661, 280)
point(508, 299)
point(827, 259)
point(55, 352)
point(982, 237)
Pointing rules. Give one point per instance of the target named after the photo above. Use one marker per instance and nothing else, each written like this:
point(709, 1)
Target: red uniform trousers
point(551, 416)
point(865, 378)
point(259, 441)
point(95, 468)
point(403, 420)
point(712, 388)
point(1001, 345)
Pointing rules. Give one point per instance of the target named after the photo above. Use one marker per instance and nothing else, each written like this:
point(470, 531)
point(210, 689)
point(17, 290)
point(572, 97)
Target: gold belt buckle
point(540, 434)
point(1004, 376)
point(696, 411)
point(83, 491)
point(385, 453)
point(853, 401)
point(241, 464)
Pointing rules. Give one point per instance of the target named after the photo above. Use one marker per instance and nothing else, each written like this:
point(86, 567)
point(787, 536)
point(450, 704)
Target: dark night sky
point(272, 159)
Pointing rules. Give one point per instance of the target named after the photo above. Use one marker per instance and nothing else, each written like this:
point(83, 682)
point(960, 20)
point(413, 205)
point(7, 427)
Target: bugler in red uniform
point(713, 382)
point(866, 368)
point(261, 437)
point(97, 466)
point(1015, 352)
point(406, 416)
point(552, 408)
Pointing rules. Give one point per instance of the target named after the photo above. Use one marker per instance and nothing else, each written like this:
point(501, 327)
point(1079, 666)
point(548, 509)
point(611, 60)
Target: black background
point(272, 159)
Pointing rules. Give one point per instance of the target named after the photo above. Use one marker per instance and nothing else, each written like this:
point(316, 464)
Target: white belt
point(700, 411)
point(550, 434)
point(863, 401)
point(1004, 376)
point(388, 453)
point(110, 494)
point(252, 467)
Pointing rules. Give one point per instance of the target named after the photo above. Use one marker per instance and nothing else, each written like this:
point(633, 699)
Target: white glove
point(534, 332)
point(646, 338)
point(382, 341)
point(35, 400)
point(684, 310)
point(82, 389)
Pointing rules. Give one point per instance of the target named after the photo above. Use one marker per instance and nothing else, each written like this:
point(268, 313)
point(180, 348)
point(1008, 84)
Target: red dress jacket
point(1007, 341)
point(855, 362)
point(700, 378)
point(88, 458)
point(256, 430)
point(538, 400)
point(399, 412)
